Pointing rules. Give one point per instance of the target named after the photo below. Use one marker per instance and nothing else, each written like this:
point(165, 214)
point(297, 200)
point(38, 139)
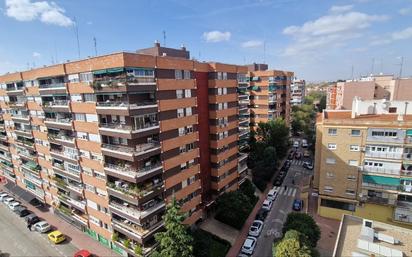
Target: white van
point(296, 144)
point(304, 143)
point(272, 194)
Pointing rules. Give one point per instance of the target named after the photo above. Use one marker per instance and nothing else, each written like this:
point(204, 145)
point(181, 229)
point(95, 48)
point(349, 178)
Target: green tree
point(248, 189)
point(175, 241)
point(304, 224)
point(322, 103)
point(291, 246)
point(233, 208)
point(274, 133)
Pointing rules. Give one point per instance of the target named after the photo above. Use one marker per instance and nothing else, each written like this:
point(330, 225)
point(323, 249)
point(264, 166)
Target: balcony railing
point(133, 211)
point(382, 170)
point(380, 200)
point(135, 191)
point(132, 150)
point(53, 85)
point(383, 155)
point(65, 154)
point(64, 103)
point(120, 126)
point(126, 104)
point(61, 137)
point(14, 88)
point(405, 188)
point(378, 186)
point(133, 172)
point(406, 173)
point(99, 82)
point(60, 120)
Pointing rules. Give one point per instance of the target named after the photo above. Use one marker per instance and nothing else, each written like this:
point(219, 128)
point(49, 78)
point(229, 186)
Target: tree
point(322, 103)
point(304, 224)
point(291, 246)
point(248, 189)
point(233, 208)
point(274, 133)
point(175, 241)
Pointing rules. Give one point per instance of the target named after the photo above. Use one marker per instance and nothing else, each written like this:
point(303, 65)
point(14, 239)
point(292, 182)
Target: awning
point(255, 79)
point(409, 179)
point(115, 70)
point(98, 72)
point(409, 132)
point(381, 180)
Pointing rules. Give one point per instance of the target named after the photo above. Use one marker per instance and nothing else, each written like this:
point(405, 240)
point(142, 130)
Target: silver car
point(42, 227)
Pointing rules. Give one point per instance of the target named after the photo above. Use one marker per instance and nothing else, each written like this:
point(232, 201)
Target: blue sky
point(318, 40)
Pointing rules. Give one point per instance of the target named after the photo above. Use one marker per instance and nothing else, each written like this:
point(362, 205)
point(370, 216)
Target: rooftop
point(364, 238)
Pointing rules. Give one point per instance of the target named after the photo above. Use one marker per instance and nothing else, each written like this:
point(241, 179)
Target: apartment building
point(363, 161)
point(297, 91)
point(341, 94)
point(108, 141)
point(269, 94)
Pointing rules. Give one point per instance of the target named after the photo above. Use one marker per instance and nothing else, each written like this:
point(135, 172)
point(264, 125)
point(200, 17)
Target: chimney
point(156, 43)
point(182, 46)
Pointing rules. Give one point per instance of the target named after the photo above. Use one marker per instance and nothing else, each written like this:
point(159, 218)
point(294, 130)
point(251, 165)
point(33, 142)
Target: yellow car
point(56, 237)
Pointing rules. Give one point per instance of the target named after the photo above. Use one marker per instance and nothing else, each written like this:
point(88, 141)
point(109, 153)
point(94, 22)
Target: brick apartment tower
point(269, 94)
point(108, 141)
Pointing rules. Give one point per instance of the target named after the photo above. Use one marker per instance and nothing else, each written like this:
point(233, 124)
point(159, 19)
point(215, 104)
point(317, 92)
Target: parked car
point(13, 205)
point(242, 255)
point(306, 154)
point(272, 194)
point(296, 144)
point(23, 212)
point(256, 228)
point(36, 203)
point(249, 245)
point(308, 165)
point(291, 155)
point(82, 253)
point(304, 143)
point(298, 155)
point(19, 209)
point(297, 205)
point(262, 214)
point(42, 227)
point(7, 200)
point(267, 204)
point(32, 219)
point(278, 181)
point(56, 237)
point(3, 196)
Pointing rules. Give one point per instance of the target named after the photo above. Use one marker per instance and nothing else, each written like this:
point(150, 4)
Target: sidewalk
point(78, 238)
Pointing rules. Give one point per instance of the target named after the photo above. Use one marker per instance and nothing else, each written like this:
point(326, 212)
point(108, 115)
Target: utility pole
point(164, 37)
point(401, 64)
point(76, 31)
point(373, 65)
point(352, 73)
point(95, 46)
point(264, 52)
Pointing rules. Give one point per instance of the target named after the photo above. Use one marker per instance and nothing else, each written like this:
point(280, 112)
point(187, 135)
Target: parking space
point(18, 240)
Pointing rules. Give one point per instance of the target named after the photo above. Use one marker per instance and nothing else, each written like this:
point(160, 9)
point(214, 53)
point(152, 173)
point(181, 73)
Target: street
point(281, 208)
point(17, 240)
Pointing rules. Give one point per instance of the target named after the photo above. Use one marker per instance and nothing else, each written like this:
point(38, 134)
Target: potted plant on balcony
point(126, 243)
point(138, 249)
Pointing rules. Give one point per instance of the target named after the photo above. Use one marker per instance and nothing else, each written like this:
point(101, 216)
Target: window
point(73, 78)
point(392, 109)
point(86, 77)
point(178, 74)
point(328, 189)
point(384, 133)
point(330, 160)
point(188, 93)
point(179, 93)
point(89, 97)
point(355, 132)
point(332, 146)
point(80, 116)
point(186, 74)
point(91, 118)
point(330, 175)
point(353, 163)
point(180, 113)
point(224, 75)
point(188, 111)
point(350, 192)
point(354, 148)
point(337, 205)
point(351, 177)
point(332, 132)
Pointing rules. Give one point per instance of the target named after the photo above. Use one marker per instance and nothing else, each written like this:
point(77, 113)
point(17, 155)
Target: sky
point(317, 39)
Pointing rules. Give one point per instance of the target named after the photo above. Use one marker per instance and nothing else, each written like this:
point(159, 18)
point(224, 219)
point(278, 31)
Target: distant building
point(364, 238)
point(341, 94)
point(363, 161)
point(297, 92)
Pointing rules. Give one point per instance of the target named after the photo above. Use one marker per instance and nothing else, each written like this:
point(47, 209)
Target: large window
point(337, 205)
point(355, 132)
point(332, 132)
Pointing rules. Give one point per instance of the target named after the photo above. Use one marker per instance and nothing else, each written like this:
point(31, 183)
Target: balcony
point(59, 105)
point(21, 117)
point(61, 123)
point(58, 85)
point(61, 137)
point(31, 166)
point(6, 165)
point(123, 128)
point(381, 200)
point(123, 208)
point(122, 80)
point(110, 105)
point(403, 212)
point(25, 142)
point(407, 173)
point(65, 155)
point(134, 230)
point(28, 155)
point(383, 155)
point(134, 193)
point(382, 170)
point(80, 204)
point(130, 152)
point(59, 168)
point(131, 174)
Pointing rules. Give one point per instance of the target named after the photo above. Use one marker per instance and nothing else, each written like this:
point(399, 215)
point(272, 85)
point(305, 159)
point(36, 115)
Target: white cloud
point(252, 44)
point(405, 11)
point(341, 8)
point(394, 36)
point(330, 30)
point(216, 36)
point(36, 55)
point(26, 10)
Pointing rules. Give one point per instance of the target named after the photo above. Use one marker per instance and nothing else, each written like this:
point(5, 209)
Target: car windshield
point(59, 236)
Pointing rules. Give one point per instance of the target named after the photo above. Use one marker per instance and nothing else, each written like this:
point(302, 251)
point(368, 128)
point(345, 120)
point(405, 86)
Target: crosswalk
point(290, 191)
point(297, 162)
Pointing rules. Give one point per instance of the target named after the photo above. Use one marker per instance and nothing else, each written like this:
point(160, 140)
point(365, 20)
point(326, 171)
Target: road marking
point(278, 221)
point(282, 211)
point(290, 191)
point(294, 192)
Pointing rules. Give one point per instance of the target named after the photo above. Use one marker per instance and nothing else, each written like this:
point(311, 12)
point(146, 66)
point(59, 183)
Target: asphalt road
point(281, 208)
point(17, 240)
